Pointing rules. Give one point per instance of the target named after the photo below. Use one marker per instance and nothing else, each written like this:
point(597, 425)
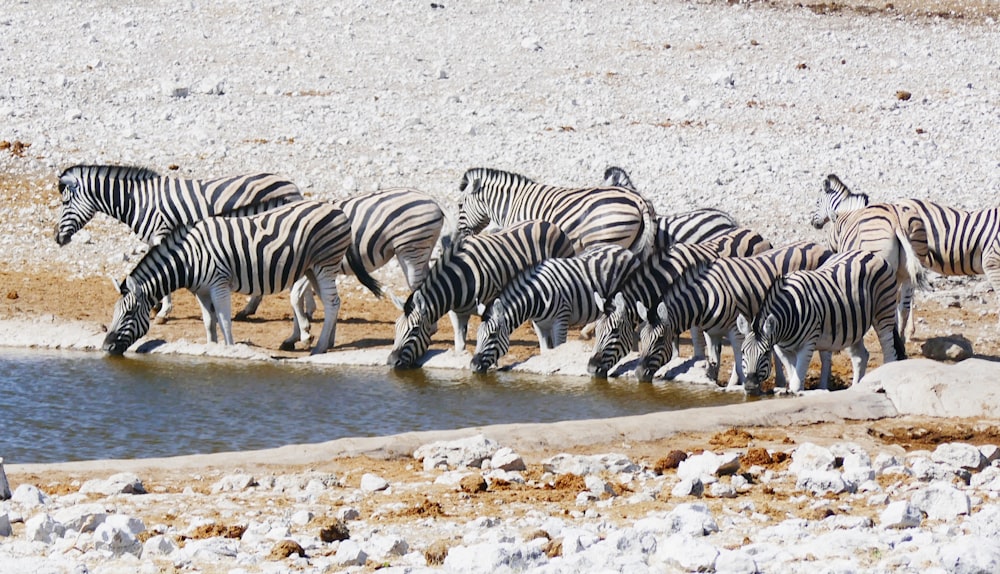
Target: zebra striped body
point(471, 271)
point(960, 242)
point(555, 294)
point(895, 232)
point(588, 216)
point(255, 255)
point(399, 222)
point(711, 294)
point(153, 205)
point(650, 278)
point(826, 309)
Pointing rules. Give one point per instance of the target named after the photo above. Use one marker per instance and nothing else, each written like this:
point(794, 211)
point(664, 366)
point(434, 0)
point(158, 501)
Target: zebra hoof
point(159, 320)
point(287, 346)
point(241, 316)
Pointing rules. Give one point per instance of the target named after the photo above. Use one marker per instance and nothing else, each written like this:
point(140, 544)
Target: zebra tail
point(358, 268)
point(914, 267)
point(647, 242)
point(897, 344)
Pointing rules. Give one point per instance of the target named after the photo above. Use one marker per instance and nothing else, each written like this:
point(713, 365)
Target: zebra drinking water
point(257, 255)
point(615, 333)
point(825, 309)
point(712, 293)
point(895, 232)
point(555, 294)
point(588, 215)
point(153, 205)
point(471, 271)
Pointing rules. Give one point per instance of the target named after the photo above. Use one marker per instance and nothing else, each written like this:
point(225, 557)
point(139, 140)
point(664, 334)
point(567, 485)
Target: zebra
point(896, 232)
point(826, 309)
point(692, 226)
point(555, 294)
point(710, 294)
point(153, 205)
point(257, 254)
point(615, 332)
point(471, 271)
point(588, 215)
point(401, 222)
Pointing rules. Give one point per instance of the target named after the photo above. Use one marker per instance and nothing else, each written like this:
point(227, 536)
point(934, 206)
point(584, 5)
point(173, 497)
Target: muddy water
point(60, 406)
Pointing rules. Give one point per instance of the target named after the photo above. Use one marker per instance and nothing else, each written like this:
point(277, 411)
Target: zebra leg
point(166, 306)
point(546, 339)
point(714, 357)
point(460, 324)
point(207, 314)
point(825, 368)
point(325, 285)
point(904, 304)
point(300, 319)
point(698, 339)
point(797, 376)
point(222, 307)
point(736, 342)
point(859, 360)
point(253, 302)
point(991, 267)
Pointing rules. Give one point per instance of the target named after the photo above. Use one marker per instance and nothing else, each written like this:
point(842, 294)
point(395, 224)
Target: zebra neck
point(133, 203)
point(164, 269)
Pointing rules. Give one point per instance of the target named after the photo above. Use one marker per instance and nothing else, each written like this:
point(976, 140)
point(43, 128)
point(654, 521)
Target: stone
point(735, 562)
point(970, 555)
point(118, 534)
point(301, 518)
point(467, 452)
point(335, 532)
point(959, 455)
point(583, 465)
point(121, 483)
point(234, 483)
point(811, 457)
point(42, 528)
point(5, 528)
point(350, 553)
point(721, 490)
point(28, 495)
point(487, 558)
point(694, 519)
point(708, 464)
point(373, 483)
point(4, 484)
point(822, 482)
point(285, 548)
point(81, 517)
point(688, 487)
point(158, 545)
point(598, 486)
point(506, 459)
point(348, 513)
point(949, 348)
point(942, 501)
point(900, 514)
point(382, 547)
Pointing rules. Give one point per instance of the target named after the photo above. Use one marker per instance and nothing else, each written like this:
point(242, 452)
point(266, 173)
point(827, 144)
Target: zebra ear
point(396, 301)
point(484, 310)
point(599, 301)
point(661, 309)
point(767, 328)
point(619, 300)
point(743, 324)
point(641, 309)
point(67, 180)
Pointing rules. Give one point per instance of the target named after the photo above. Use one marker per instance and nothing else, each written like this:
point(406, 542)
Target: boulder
point(467, 452)
point(949, 348)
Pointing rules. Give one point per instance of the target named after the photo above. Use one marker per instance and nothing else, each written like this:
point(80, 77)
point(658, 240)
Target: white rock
point(811, 457)
point(5, 528)
point(721, 490)
point(688, 487)
point(117, 535)
point(381, 546)
point(81, 517)
point(822, 482)
point(959, 455)
point(990, 451)
point(29, 496)
point(506, 459)
point(467, 452)
point(121, 483)
point(941, 500)
point(234, 483)
point(349, 553)
point(691, 554)
point(487, 558)
point(583, 465)
point(158, 545)
point(301, 517)
point(42, 528)
point(694, 519)
point(735, 562)
point(970, 555)
point(598, 485)
point(348, 513)
point(708, 464)
point(4, 484)
point(373, 483)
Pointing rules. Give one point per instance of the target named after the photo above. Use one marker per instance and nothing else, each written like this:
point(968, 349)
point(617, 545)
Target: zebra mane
point(833, 186)
point(483, 173)
point(772, 292)
point(126, 172)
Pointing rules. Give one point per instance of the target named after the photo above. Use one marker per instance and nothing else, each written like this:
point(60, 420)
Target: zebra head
point(615, 176)
point(492, 338)
point(473, 210)
point(837, 198)
point(78, 206)
point(614, 335)
point(656, 340)
point(130, 320)
point(413, 333)
point(757, 343)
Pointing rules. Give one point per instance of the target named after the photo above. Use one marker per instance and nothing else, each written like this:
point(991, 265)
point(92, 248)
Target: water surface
point(63, 406)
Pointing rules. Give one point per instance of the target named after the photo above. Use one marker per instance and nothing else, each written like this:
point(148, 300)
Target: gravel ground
point(742, 106)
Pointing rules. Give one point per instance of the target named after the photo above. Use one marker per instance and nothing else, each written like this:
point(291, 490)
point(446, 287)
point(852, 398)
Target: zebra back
point(957, 239)
point(693, 226)
point(400, 222)
point(152, 205)
point(588, 215)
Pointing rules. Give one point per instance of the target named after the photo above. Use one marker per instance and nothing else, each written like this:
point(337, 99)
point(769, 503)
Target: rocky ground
point(744, 106)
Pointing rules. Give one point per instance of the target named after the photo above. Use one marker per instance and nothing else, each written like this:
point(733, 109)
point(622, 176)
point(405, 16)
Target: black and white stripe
point(555, 295)
point(650, 278)
point(588, 215)
point(471, 271)
point(711, 294)
point(256, 255)
point(895, 232)
point(827, 309)
point(153, 205)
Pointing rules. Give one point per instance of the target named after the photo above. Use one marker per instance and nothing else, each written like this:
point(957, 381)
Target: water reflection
point(75, 406)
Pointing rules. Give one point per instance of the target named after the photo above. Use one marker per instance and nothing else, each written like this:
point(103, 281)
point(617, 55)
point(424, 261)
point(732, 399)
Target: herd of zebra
point(597, 257)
